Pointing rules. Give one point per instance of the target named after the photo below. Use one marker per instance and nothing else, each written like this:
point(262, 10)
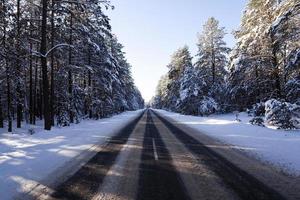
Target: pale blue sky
point(151, 30)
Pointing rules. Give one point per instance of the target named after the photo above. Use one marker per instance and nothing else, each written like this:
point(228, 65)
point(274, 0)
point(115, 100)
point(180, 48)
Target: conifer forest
point(60, 62)
point(261, 74)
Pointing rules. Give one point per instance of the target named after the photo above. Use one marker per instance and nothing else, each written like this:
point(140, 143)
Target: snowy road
point(154, 158)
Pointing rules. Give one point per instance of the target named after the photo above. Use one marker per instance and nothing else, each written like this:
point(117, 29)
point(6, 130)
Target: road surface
point(155, 158)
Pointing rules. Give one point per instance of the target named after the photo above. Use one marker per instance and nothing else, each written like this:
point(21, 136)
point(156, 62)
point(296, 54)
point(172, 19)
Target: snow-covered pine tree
point(191, 90)
point(267, 36)
point(251, 61)
point(292, 90)
point(159, 101)
point(212, 59)
point(212, 52)
point(180, 59)
point(280, 114)
point(286, 37)
point(72, 52)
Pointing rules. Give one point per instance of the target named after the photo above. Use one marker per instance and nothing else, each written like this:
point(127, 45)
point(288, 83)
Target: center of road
point(154, 149)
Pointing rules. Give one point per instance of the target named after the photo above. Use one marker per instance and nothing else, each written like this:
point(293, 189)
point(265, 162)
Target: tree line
point(263, 65)
point(60, 62)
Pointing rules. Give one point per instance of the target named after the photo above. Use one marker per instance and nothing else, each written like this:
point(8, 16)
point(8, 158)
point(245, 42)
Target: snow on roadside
point(277, 147)
point(27, 159)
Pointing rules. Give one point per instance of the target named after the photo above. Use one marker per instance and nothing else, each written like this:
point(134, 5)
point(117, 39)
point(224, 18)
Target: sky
point(151, 30)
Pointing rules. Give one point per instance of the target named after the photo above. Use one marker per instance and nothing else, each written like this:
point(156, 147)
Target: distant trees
point(196, 88)
point(60, 62)
point(264, 64)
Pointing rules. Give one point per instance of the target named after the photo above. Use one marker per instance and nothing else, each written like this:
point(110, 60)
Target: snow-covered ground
point(26, 159)
point(278, 147)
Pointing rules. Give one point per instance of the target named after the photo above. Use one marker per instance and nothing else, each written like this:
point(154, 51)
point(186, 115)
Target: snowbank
point(278, 147)
point(25, 159)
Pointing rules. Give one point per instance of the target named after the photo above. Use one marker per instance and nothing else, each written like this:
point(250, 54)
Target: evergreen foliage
point(263, 65)
point(60, 62)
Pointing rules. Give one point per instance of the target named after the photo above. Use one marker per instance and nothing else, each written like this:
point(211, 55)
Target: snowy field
point(277, 147)
point(26, 160)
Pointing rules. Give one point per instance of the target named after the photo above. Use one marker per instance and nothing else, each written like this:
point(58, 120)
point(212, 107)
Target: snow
point(184, 94)
point(294, 59)
point(26, 160)
point(277, 147)
point(277, 23)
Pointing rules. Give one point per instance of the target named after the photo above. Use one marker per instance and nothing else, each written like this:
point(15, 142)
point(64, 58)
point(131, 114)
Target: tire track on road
point(158, 179)
point(121, 181)
point(243, 184)
point(84, 184)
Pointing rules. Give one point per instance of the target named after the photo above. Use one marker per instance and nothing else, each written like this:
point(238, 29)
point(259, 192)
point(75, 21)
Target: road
point(155, 158)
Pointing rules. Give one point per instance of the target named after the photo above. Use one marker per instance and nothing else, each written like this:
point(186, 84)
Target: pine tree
point(212, 52)
point(267, 37)
point(212, 62)
point(191, 91)
point(48, 45)
point(180, 60)
point(44, 65)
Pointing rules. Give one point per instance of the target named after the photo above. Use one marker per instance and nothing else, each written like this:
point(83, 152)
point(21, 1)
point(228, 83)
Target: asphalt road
point(155, 158)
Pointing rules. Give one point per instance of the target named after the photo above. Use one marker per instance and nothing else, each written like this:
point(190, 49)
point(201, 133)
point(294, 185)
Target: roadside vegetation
point(260, 75)
point(60, 62)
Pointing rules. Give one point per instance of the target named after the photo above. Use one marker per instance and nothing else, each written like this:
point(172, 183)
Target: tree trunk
point(90, 84)
point(7, 74)
point(285, 73)
point(19, 93)
point(35, 99)
point(52, 65)
point(1, 113)
point(25, 100)
point(213, 72)
point(31, 103)
point(257, 84)
point(70, 71)
point(47, 117)
point(213, 65)
point(276, 72)
point(8, 99)
point(40, 102)
point(276, 75)
point(1, 110)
